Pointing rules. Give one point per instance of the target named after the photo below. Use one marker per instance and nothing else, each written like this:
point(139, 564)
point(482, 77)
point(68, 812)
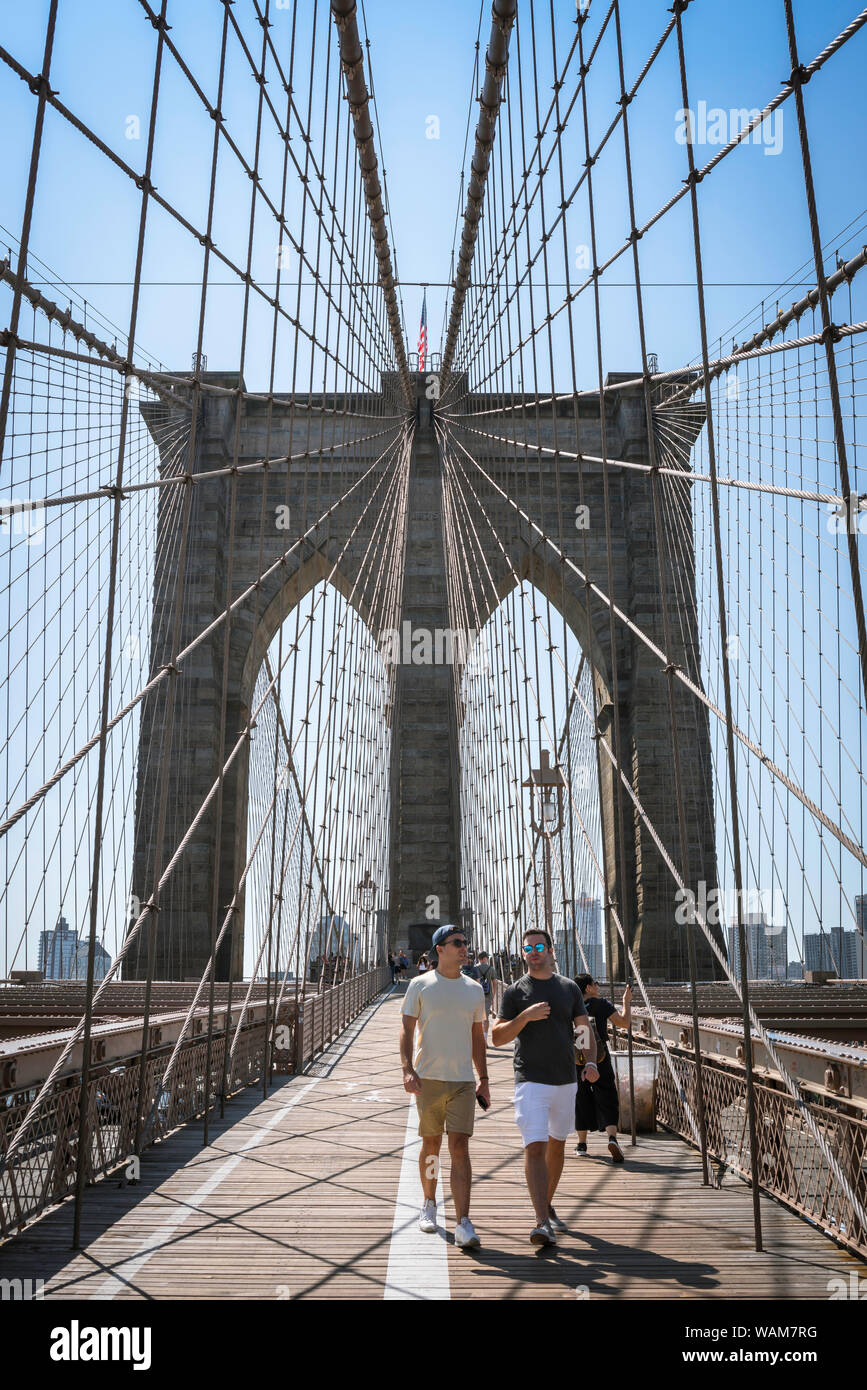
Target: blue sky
point(754, 227)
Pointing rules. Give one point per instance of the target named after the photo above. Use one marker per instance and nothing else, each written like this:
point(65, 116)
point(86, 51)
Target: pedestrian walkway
point(313, 1193)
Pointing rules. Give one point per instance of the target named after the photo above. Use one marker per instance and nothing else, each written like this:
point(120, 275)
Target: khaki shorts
point(446, 1105)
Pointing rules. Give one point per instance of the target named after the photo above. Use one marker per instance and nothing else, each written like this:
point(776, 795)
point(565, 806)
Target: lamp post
point(546, 785)
point(367, 891)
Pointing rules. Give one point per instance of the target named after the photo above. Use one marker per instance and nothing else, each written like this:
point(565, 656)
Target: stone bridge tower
point(425, 848)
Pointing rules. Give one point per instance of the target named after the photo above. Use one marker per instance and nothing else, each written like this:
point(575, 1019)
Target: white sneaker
point(427, 1220)
point(556, 1222)
point(543, 1234)
point(465, 1235)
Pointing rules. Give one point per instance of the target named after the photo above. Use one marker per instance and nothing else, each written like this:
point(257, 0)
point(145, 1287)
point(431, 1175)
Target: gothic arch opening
point(318, 806)
point(526, 700)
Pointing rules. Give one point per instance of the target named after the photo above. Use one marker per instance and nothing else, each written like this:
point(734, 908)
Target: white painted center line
point(118, 1280)
point(418, 1265)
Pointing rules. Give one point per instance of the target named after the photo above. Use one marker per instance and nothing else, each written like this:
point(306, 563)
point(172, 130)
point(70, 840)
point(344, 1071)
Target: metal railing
point(323, 1017)
point(42, 1171)
point(792, 1167)
point(432, 363)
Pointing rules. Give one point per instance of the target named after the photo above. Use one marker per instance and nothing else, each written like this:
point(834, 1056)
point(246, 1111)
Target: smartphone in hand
point(482, 1102)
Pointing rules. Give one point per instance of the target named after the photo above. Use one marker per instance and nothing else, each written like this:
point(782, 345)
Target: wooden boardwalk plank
point(296, 1198)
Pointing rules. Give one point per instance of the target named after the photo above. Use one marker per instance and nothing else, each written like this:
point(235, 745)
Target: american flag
point(422, 334)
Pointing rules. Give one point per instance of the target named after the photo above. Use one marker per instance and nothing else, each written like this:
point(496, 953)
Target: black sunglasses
point(454, 941)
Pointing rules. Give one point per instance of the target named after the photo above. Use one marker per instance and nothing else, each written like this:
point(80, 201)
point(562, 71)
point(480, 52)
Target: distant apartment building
point(586, 918)
point(332, 937)
point(835, 950)
point(57, 949)
point(101, 962)
point(767, 948)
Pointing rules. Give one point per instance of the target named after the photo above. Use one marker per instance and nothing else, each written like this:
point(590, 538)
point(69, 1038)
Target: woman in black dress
point(596, 1103)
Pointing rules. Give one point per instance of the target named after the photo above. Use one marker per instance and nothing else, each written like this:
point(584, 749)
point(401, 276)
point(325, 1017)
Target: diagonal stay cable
point(855, 849)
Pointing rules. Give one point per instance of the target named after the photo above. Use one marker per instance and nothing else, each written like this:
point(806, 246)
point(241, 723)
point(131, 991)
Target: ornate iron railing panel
point(42, 1170)
point(792, 1166)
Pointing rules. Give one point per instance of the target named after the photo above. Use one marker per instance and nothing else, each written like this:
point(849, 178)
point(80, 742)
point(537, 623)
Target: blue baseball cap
point(442, 934)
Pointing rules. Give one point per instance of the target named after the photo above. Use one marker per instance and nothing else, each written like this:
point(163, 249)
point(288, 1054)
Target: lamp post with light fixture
point(546, 785)
point(367, 891)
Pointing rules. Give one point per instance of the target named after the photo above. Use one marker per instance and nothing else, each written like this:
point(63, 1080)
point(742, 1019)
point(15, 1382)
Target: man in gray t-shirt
point(545, 1053)
point(540, 1012)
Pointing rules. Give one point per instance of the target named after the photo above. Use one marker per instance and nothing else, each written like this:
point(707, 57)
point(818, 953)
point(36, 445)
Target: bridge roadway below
point(313, 1193)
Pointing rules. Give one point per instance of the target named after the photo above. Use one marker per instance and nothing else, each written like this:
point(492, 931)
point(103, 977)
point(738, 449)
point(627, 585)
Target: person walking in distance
point(596, 1103)
point(442, 1038)
point(540, 1012)
point(486, 972)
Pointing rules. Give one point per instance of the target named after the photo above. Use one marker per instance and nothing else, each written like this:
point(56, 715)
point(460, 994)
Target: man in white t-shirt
point(442, 1037)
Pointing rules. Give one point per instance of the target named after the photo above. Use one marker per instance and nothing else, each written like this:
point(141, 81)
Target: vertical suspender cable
point(83, 1153)
point(830, 334)
point(723, 627)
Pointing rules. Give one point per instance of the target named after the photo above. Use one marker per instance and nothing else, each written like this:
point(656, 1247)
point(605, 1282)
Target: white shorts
point(543, 1112)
